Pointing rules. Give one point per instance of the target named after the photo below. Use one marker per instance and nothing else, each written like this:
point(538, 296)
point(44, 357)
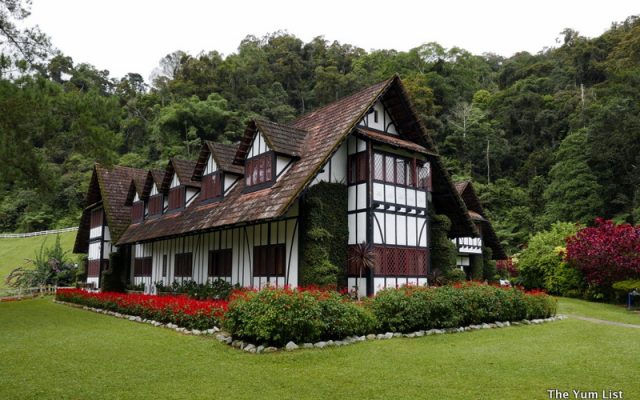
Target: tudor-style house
point(234, 213)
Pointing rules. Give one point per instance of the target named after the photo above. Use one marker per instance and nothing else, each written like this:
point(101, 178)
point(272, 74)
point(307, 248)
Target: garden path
point(603, 321)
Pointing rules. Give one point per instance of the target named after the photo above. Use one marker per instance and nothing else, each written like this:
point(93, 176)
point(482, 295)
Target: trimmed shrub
point(410, 309)
point(277, 316)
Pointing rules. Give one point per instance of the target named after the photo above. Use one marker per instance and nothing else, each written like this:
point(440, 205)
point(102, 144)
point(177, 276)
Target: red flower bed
point(179, 310)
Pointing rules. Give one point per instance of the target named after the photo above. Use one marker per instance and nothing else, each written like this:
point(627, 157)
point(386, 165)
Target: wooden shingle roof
point(312, 139)
point(108, 186)
point(223, 155)
point(283, 139)
point(184, 170)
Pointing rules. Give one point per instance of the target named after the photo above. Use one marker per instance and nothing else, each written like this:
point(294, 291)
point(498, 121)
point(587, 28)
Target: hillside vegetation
point(14, 252)
point(548, 136)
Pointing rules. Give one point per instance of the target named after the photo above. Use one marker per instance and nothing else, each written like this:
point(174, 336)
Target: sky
point(133, 35)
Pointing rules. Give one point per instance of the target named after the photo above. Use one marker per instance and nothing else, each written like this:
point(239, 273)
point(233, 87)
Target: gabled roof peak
point(223, 155)
point(184, 169)
point(283, 139)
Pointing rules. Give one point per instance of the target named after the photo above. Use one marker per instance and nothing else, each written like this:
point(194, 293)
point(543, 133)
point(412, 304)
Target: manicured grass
point(610, 312)
point(55, 351)
point(13, 252)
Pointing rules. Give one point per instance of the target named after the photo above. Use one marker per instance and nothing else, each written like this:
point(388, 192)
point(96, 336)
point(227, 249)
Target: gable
point(210, 167)
point(258, 146)
point(175, 181)
point(154, 189)
point(380, 119)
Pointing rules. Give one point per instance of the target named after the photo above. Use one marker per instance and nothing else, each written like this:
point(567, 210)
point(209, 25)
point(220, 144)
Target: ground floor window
point(183, 265)
point(142, 267)
point(220, 263)
point(269, 260)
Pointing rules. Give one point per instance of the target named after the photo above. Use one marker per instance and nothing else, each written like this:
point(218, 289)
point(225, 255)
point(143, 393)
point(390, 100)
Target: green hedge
point(277, 316)
point(410, 309)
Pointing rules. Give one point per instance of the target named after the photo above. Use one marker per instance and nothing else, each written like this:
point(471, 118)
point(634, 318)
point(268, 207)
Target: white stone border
point(225, 338)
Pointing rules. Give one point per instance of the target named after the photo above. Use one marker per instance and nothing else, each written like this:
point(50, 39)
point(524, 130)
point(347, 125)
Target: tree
point(21, 48)
point(606, 253)
point(573, 193)
point(541, 265)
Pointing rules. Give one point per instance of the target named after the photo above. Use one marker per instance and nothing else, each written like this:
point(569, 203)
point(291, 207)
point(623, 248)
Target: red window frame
point(212, 186)
point(96, 217)
point(156, 204)
point(385, 170)
point(137, 211)
point(269, 260)
point(259, 170)
point(357, 168)
point(177, 197)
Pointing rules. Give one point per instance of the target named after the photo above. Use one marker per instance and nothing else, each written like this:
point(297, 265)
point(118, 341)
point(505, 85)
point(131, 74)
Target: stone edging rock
point(252, 348)
point(225, 338)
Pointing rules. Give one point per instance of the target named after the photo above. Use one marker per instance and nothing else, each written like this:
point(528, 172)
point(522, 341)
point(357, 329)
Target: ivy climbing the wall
point(443, 251)
point(323, 234)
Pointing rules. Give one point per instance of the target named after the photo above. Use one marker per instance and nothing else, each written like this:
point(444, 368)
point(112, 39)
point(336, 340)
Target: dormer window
point(212, 186)
point(156, 202)
point(177, 194)
point(259, 171)
point(137, 210)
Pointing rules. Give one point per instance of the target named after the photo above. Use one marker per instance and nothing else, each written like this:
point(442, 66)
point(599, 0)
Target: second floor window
point(176, 198)
point(259, 170)
point(156, 204)
point(212, 186)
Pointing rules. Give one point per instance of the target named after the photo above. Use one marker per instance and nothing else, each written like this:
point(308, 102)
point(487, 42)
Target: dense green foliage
point(115, 277)
point(541, 265)
point(548, 136)
point(410, 309)
point(323, 234)
point(277, 316)
point(443, 251)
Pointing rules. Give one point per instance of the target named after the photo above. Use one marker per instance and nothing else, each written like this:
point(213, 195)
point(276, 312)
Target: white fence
point(41, 233)
point(27, 292)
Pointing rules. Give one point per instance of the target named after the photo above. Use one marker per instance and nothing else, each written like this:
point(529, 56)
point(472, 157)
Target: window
point(142, 267)
point(212, 186)
point(269, 260)
point(357, 168)
point(398, 170)
point(156, 204)
point(93, 268)
point(164, 266)
point(183, 265)
point(176, 198)
point(137, 212)
point(424, 176)
point(96, 217)
point(259, 169)
point(220, 263)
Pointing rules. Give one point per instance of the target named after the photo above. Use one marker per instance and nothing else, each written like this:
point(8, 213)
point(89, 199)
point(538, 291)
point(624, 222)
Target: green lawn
point(55, 352)
point(13, 252)
point(617, 313)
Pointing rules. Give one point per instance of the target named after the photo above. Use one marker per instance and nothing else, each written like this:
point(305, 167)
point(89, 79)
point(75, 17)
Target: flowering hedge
point(409, 309)
point(179, 310)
